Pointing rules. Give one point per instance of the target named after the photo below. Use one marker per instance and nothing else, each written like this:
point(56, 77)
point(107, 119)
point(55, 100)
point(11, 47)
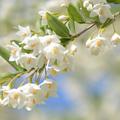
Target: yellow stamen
point(24, 34)
point(15, 96)
point(99, 43)
point(47, 95)
point(55, 50)
point(13, 52)
point(29, 61)
point(34, 91)
point(33, 45)
point(49, 41)
point(53, 72)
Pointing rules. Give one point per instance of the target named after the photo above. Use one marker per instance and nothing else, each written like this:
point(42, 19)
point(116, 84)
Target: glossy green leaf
point(57, 26)
point(4, 53)
point(114, 1)
point(74, 13)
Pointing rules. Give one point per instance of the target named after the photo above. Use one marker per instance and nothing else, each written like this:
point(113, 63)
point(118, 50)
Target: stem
point(79, 34)
point(17, 76)
point(91, 26)
point(30, 76)
point(46, 76)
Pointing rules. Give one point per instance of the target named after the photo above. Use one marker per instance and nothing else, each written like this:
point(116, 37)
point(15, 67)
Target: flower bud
point(115, 39)
point(63, 18)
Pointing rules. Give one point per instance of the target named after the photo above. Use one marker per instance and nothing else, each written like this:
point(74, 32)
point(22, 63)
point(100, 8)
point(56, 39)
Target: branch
point(77, 35)
point(91, 26)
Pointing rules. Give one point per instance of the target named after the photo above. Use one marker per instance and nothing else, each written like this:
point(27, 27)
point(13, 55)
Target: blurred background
point(90, 92)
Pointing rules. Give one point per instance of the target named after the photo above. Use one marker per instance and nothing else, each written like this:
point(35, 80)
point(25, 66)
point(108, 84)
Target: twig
point(91, 26)
point(77, 35)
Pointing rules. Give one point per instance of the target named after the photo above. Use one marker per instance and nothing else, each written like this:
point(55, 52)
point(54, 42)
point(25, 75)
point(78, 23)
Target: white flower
point(65, 64)
point(102, 11)
point(54, 51)
point(48, 88)
point(96, 45)
point(33, 43)
point(14, 98)
point(53, 71)
point(87, 4)
point(115, 39)
point(24, 31)
point(48, 39)
point(30, 102)
point(72, 49)
point(89, 7)
point(27, 61)
point(33, 95)
point(15, 51)
point(29, 88)
point(5, 90)
point(59, 58)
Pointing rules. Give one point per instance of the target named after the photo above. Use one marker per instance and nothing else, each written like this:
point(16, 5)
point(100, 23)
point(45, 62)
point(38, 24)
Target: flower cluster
point(36, 51)
point(97, 44)
point(28, 95)
point(49, 50)
point(39, 57)
point(98, 8)
point(102, 10)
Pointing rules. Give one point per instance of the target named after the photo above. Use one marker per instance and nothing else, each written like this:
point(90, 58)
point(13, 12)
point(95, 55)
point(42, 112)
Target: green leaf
point(74, 13)
point(57, 26)
point(114, 1)
point(5, 77)
point(71, 25)
point(65, 41)
point(4, 53)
